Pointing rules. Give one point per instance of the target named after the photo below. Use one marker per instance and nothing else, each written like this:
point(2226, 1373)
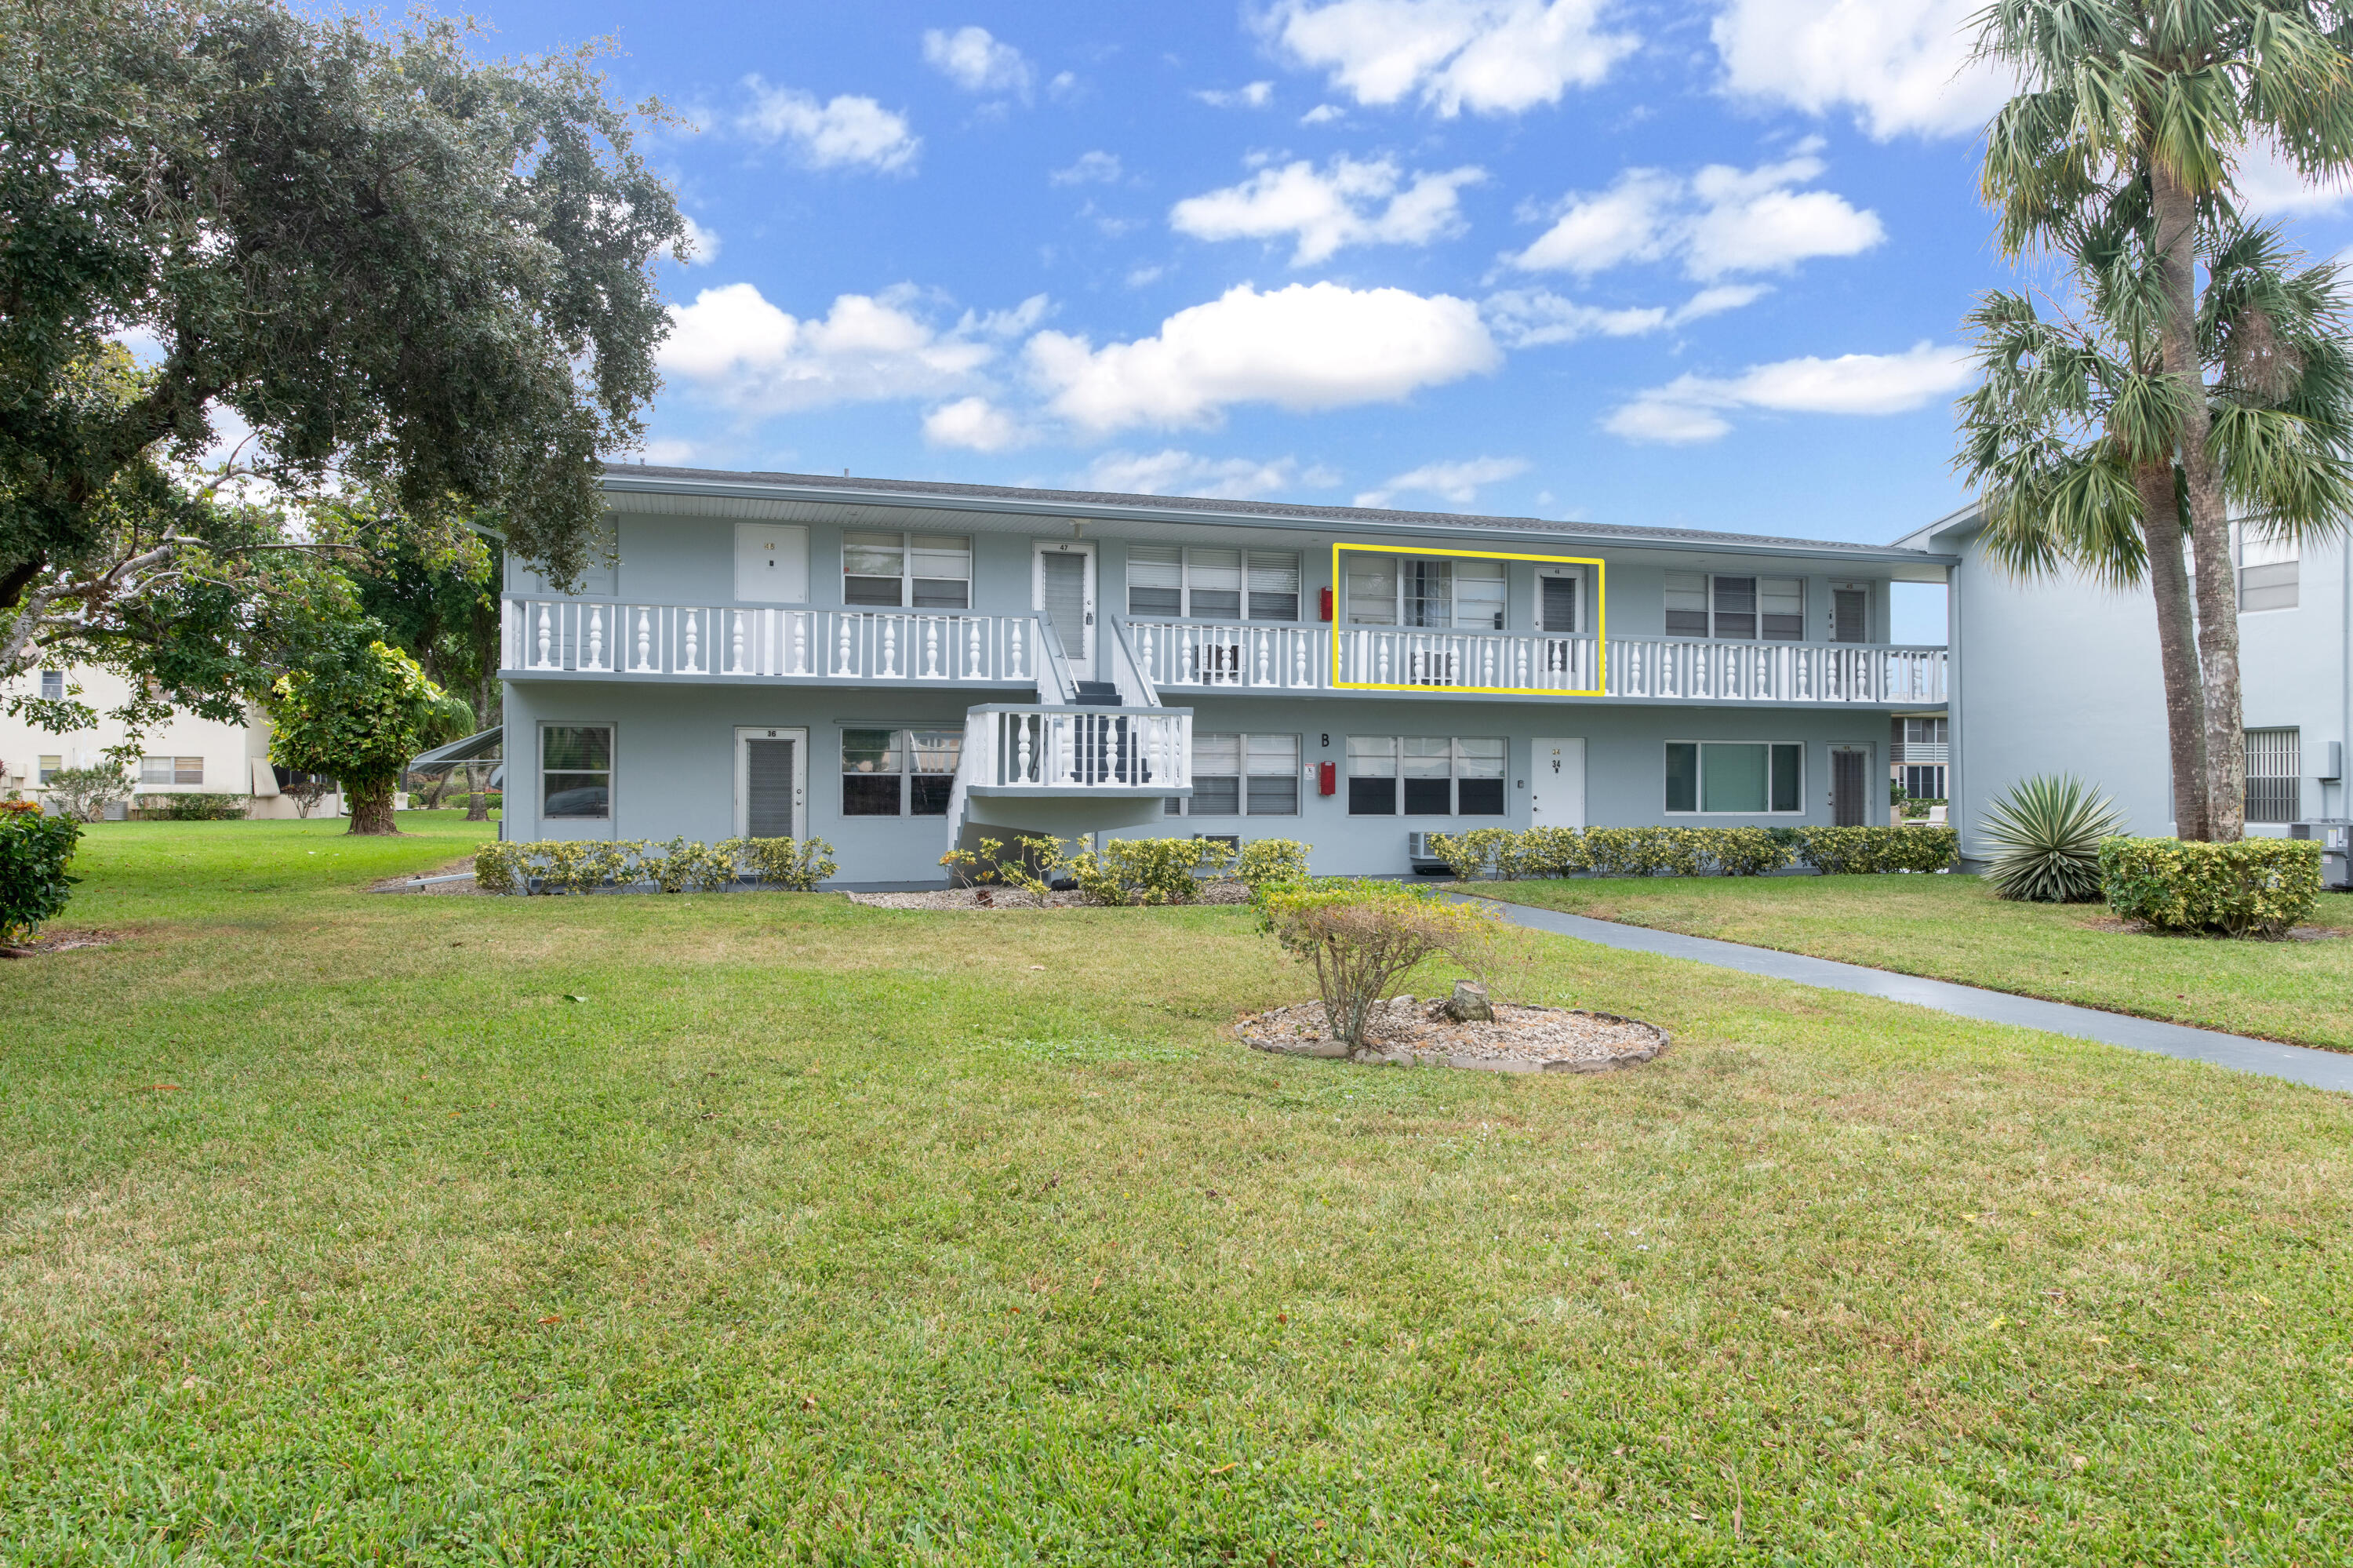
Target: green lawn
point(1950, 927)
point(332, 1227)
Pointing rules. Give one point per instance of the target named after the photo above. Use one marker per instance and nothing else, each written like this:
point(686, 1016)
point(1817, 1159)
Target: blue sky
point(1683, 264)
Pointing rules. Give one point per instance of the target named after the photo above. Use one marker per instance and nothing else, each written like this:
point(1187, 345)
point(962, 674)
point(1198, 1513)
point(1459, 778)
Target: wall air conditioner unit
point(2335, 836)
point(1418, 854)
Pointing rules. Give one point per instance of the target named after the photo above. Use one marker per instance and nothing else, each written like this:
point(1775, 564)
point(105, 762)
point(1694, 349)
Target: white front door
point(771, 782)
point(1556, 793)
point(1062, 590)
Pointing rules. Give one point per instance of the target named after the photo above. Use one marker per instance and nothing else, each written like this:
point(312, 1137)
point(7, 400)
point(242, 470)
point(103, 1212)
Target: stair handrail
point(1127, 672)
point(1055, 684)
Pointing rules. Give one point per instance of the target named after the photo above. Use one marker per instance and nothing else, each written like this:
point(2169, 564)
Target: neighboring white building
point(185, 756)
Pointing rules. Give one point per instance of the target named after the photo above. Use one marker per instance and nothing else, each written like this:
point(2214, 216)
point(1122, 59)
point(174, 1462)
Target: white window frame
point(905, 744)
point(1185, 609)
point(1398, 564)
point(2275, 746)
point(46, 767)
point(53, 685)
point(907, 579)
point(1180, 807)
point(1699, 778)
point(2279, 563)
point(1757, 605)
point(1454, 777)
point(612, 771)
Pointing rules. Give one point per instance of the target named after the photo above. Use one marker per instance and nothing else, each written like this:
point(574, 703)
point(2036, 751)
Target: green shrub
point(35, 850)
point(194, 806)
point(1553, 852)
point(1025, 867)
point(1745, 852)
point(1857, 851)
point(85, 793)
point(2256, 887)
point(797, 865)
point(1478, 853)
point(1362, 936)
point(681, 865)
point(1264, 861)
point(2046, 836)
point(1143, 871)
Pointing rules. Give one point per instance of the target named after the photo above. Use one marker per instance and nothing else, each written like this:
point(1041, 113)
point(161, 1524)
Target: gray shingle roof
point(1207, 508)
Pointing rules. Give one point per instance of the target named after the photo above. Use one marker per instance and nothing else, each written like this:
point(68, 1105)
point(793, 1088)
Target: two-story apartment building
point(2061, 675)
point(897, 667)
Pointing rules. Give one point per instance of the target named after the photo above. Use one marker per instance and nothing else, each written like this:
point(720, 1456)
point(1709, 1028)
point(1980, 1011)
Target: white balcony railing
point(1400, 656)
point(1010, 745)
point(594, 636)
point(1672, 668)
point(1201, 653)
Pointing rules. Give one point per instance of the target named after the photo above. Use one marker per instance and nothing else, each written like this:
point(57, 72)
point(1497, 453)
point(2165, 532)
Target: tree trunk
point(478, 805)
point(2209, 525)
point(372, 805)
point(2184, 705)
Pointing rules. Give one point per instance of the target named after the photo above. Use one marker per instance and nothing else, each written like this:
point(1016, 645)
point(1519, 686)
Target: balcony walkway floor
point(2297, 1063)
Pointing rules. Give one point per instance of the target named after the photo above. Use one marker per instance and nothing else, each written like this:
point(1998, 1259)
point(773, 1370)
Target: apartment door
point(771, 783)
point(1063, 592)
point(1556, 792)
point(1850, 786)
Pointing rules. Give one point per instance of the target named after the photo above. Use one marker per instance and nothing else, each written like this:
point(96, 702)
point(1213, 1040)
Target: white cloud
point(1492, 56)
point(668, 453)
point(1455, 481)
point(699, 246)
point(1092, 168)
point(1530, 318)
point(976, 61)
point(1325, 211)
point(1323, 114)
point(1174, 472)
point(975, 424)
point(749, 354)
point(1722, 220)
point(1699, 408)
point(1302, 347)
point(846, 133)
point(1902, 66)
point(2271, 186)
point(1256, 95)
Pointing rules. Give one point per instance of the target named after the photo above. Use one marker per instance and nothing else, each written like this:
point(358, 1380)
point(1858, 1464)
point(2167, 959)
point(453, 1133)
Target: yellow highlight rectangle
point(1600, 622)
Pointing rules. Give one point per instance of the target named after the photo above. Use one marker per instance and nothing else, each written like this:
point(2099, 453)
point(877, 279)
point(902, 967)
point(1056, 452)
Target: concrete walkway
point(2297, 1063)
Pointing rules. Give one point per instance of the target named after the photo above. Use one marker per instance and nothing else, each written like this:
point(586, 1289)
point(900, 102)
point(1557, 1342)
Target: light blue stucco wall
point(674, 763)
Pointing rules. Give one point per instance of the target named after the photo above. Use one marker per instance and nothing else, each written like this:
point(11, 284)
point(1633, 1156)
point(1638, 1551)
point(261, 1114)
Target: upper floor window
point(1433, 592)
point(53, 685)
point(1926, 731)
point(923, 571)
point(1747, 608)
point(2267, 571)
point(1212, 585)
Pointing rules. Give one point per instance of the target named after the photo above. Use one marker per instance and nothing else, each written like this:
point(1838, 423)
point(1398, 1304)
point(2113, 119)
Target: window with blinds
point(1212, 585)
point(923, 571)
point(1736, 608)
point(1426, 775)
point(2268, 569)
point(2274, 776)
point(1435, 592)
point(1242, 775)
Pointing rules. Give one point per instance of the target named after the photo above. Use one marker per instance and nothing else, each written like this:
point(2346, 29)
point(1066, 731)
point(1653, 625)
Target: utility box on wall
point(2336, 837)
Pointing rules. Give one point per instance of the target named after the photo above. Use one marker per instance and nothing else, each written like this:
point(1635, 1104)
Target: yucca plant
point(2046, 836)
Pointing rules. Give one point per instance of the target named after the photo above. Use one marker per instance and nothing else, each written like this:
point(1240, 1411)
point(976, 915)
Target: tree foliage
point(360, 716)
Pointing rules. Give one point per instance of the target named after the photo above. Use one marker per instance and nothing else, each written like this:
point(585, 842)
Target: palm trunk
point(2185, 704)
point(478, 805)
point(2176, 210)
point(371, 806)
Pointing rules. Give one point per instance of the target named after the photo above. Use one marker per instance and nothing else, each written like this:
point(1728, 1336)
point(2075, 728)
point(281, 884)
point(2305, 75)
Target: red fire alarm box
point(1325, 611)
point(1327, 779)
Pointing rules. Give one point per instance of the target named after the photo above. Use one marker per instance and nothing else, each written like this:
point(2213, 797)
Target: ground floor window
point(1923, 782)
point(1747, 777)
point(1426, 776)
point(1242, 776)
point(2274, 776)
point(576, 770)
point(899, 772)
point(170, 770)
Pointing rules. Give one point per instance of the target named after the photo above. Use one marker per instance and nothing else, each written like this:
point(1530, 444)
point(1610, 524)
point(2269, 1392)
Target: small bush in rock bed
point(2259, 887)
point(1361, 936)
point(34, 852)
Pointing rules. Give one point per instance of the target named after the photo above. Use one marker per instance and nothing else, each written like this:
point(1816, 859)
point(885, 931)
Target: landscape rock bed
point(55, 941)
point(1409, 1033)
point(1220, 890)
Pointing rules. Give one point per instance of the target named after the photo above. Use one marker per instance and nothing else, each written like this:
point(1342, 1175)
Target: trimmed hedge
point(583, 865)
point(35, 850)
point(2255, 887)
point(1514, 854)
point(196, 807)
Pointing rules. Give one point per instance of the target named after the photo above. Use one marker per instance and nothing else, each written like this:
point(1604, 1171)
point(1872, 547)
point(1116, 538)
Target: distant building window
point(170, 770)
point(53, 685)
point(1735, 778)
point(899, 772)
point(1439, 593)
point(2267, 572)
point(1212, 585)
point(1736, 608)
point(576, 764)
point(1426, 776)
point(2274, 776)
point(49, 767)
point(1924, 781)
point(922, 571)
point(1242, 776)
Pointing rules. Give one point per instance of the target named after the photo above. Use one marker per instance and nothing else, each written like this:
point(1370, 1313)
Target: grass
point(766, 1228)
point(1951, 927)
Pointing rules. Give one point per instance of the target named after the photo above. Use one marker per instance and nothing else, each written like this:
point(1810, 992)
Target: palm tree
point(2169, 94)
point(2073, 436)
